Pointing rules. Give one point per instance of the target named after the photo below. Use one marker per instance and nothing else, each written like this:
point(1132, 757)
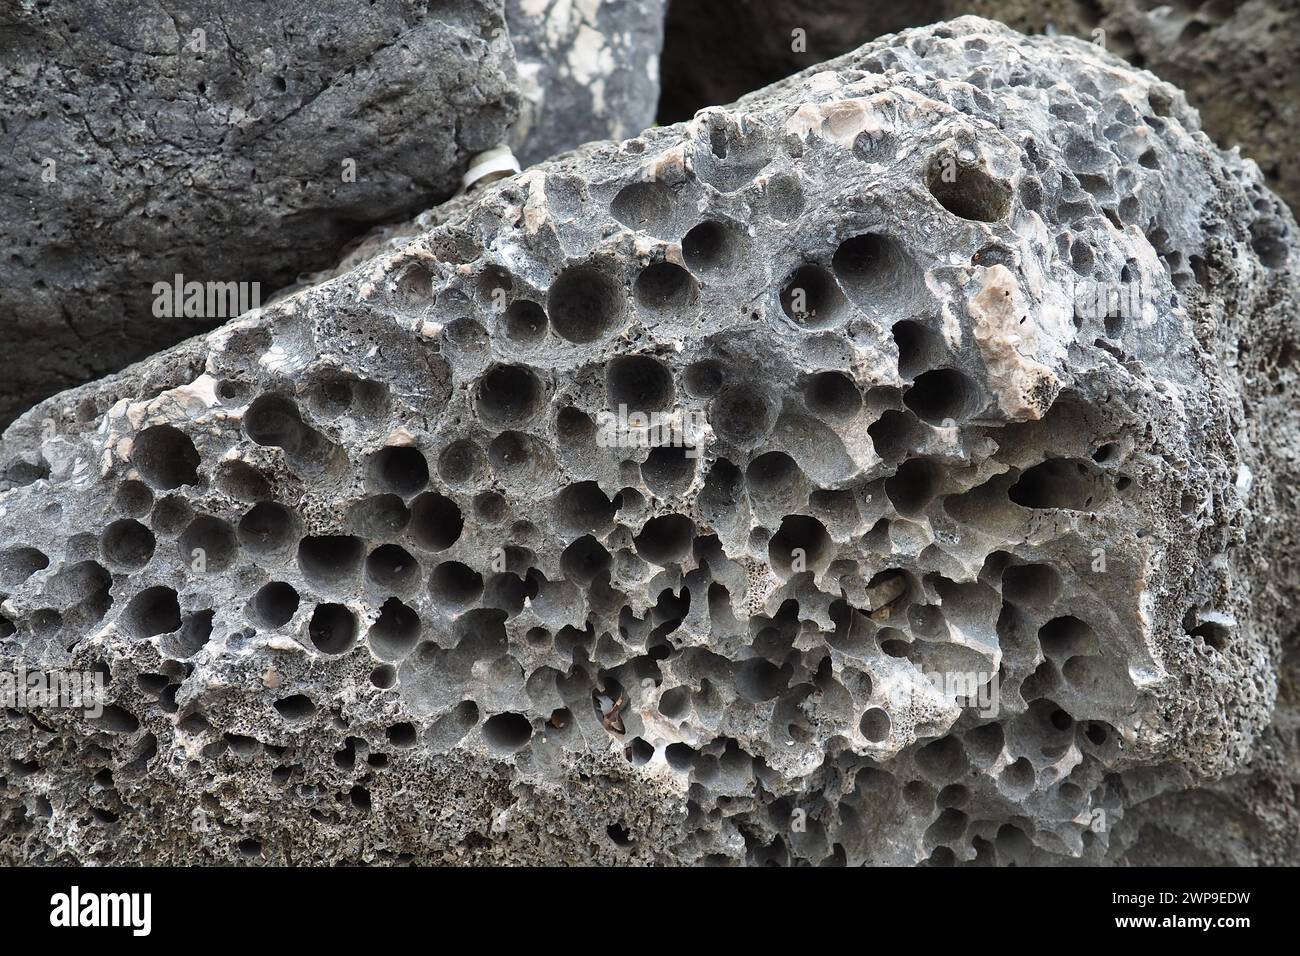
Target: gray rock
point(1233, 59)
point(230, 142)
point(987, 355)
point(588, 70)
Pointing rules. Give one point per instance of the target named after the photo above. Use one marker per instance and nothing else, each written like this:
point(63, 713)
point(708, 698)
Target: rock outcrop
point(225, 142)
point(896, 466)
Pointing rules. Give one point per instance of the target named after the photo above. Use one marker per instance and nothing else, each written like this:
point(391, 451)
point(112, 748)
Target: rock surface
point(214, 141)
point(969, 526)
point(1234, 58)
point(588, 70)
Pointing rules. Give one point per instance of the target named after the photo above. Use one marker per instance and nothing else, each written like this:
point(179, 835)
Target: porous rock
point(1233, 59)
point(588, 70)
point(958, 564)
point(232, 142)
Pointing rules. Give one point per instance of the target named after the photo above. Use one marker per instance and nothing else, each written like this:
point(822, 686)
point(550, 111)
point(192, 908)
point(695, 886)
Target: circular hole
point(800, 544)
point(943, 760)
point(877, 273)
point(493, 284)
point(461, 463)
point(491, 507)
point(399, 469)
point(525, 322)
point(668, 470)
point(275, 421)
point(333, 628)
point(639, 382)
point(380, 516)
point(384, 676)
point(584, 304)
point(772, 473)
point(584, 560)
point(895, 433)
point(402, 735)
point(511, 452)
point(395, 633)
point(133, 498)
point(811, 298)
point(583, 507)
point(673, 703)
point(267, 528)
point(208, 544)
point(170, 515)
point(328, 560)
point(707, 247)
point(832, 395)
point(128, 544)
point(392, 568)
point(918, 347)
point(436, 522)
point(1031, 585)
point(507, 732)
point(968, 192)
point(506, 592)
point(275, 604)
point(703, 379)
point(680, 756)
point(942, 397)
point(509, 395)
point(331, 396)
point(574, 427)
point(295, 707)
point(1065, 637)
point(153, 611)
point(645, 207)
point(665, 539)
point(1018, 776)
point(242, 481)
point(874, 725)
point(165, 457)
point(663, 287)
point(784, 198)
point(914, 485)
point(455, 585)
point(758, 679)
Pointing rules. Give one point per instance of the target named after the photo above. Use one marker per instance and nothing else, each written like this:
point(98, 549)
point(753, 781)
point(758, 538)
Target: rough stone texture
point(438, 619)
point(588, 70)
point(1234, 58)
point(224, 165)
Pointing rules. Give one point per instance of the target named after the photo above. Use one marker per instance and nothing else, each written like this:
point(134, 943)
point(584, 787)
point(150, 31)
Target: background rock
point(588, 70)
point(219, 157)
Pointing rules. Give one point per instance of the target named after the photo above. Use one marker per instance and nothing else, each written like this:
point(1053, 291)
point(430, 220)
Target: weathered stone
point(587, 70)
point(375, 575)
point(232, 142)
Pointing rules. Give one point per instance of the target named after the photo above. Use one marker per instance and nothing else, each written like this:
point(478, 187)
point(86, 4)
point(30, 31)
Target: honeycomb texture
point(372, 583)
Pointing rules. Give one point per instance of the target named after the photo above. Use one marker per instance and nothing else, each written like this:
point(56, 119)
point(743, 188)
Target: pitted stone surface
point(214, 140)
point(373, 580)
point(1232, 58)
